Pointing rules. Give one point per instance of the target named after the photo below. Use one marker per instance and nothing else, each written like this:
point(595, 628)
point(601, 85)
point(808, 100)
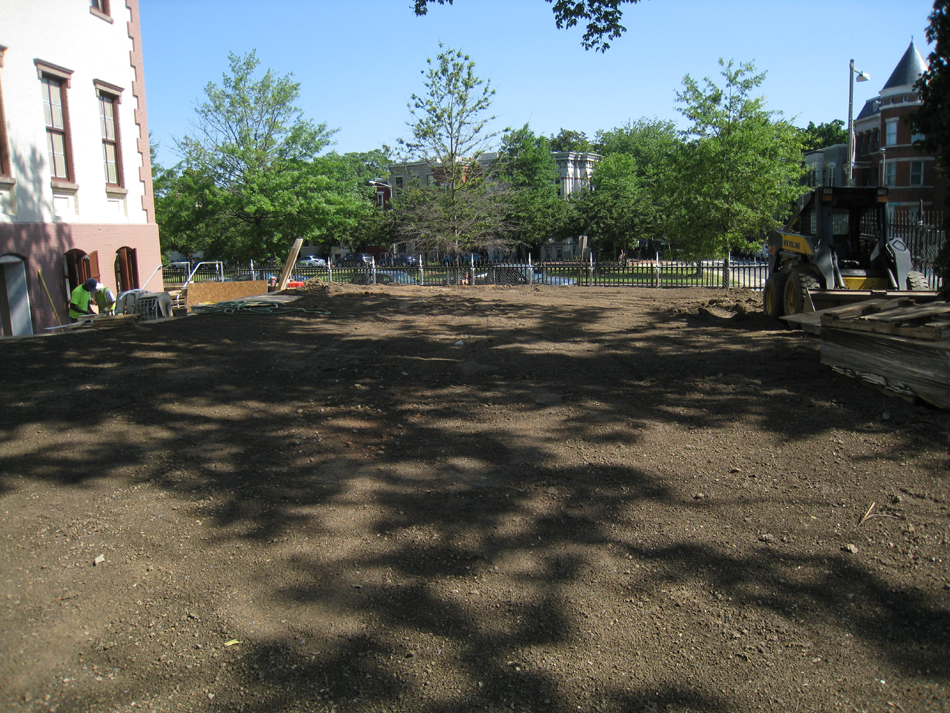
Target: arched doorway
point(16, 316)
point(126, 269)
point(80, 267)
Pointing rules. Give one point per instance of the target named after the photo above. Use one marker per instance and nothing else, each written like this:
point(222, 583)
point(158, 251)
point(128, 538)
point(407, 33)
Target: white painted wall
point(65, 33)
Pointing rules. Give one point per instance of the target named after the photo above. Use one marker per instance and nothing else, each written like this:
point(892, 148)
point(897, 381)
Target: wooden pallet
point(896, 343)
point(900, 317)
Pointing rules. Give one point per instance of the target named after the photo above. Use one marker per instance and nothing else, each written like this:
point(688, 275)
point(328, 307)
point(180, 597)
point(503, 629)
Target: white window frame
point(890, 132)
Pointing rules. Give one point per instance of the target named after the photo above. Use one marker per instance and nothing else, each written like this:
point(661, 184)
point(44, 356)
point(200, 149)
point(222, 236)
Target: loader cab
point(836, 240)
point(855, 224)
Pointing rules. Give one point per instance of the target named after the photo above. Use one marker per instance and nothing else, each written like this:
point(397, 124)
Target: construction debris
point(895, 344)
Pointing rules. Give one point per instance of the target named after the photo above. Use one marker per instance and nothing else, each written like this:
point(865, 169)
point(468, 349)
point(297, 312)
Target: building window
point(109, 131)
point(914, 138)
point(4, 150)
point(890, 174)
point(101, 9)
point(890, 138)
point(56, 116)
point(916, 173)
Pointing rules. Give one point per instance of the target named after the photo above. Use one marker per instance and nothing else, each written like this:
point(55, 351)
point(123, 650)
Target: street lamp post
point(862, 77)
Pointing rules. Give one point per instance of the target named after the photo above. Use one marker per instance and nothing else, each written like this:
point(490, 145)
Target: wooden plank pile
point(896, 344)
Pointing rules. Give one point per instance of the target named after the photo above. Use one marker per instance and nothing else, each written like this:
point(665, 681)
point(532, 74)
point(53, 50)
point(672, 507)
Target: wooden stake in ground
point(289, 265)
point(49, 297)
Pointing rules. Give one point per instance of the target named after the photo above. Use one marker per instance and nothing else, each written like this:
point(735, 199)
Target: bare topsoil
point(472, 499)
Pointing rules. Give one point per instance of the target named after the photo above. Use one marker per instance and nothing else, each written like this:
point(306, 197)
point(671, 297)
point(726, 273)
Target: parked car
point(520, 275)
point(251, 276)
point(312, 261)
point(356, 259)
point(464, 259)
point(179, 265)
point(399, 260)
point(384, 277)
point(541, 279)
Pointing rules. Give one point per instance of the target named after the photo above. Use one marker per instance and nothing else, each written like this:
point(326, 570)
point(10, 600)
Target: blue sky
point(359, 61)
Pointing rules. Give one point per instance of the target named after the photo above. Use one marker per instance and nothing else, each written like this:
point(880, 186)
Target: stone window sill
point(65, 187)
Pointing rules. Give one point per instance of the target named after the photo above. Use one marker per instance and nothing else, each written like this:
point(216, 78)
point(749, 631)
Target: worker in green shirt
point(80, 298)
point(105, 299)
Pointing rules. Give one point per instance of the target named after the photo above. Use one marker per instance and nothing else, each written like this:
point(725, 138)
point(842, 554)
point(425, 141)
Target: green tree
point(356, 221)
point(602, 18)
point(823, 135)
point(536, 211)
point(649, 141)
point(568, 140)
point(738, 169)
point(251, 166)
point(650, 144)
point(460, 211)
point(617, 212)
point(932, 118)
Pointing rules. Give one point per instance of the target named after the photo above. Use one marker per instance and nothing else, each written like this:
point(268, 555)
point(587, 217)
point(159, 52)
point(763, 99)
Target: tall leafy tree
point(738, 169)
point(649, 141)
point(932, 118)
point(251, 163)
point(449, 131)
point(536, 211)
point(602, 18)
point(355, 221)
point(650, 144)
point(617, 211)
point(570, 140)
point(823, 135)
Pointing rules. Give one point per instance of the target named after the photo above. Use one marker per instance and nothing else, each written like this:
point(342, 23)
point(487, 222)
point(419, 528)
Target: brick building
point(884, 150)
point(75, 174)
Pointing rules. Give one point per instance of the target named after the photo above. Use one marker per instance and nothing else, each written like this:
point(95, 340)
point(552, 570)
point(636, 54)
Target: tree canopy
point(252, 179)
point(535, 210)
point(569, 140)
point(630, 199)
point(616, 210)
point(449, 132)
point(823, 135)
point(738, 168)
point(602, 18)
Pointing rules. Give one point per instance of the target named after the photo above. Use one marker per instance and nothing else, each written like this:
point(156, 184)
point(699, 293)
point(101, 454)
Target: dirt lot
point(474, 499)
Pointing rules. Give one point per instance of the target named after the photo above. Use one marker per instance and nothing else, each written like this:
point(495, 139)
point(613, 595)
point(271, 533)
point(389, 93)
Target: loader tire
point(799, 283)
point(917, 282)
point(774, 294)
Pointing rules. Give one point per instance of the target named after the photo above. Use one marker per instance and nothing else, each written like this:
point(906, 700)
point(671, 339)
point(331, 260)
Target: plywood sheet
point(212, 292)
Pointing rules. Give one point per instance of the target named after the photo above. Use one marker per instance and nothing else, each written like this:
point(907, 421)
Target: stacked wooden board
point(897, 344)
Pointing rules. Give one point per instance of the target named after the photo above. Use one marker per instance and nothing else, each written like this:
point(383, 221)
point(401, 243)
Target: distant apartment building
point(575, 171)
point(574, 174)
point(827, 166)
point(75, 174)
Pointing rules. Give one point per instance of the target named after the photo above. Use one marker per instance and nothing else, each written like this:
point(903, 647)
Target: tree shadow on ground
point(272, 429)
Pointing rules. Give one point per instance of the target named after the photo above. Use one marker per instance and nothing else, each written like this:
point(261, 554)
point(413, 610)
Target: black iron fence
point(923, 235)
